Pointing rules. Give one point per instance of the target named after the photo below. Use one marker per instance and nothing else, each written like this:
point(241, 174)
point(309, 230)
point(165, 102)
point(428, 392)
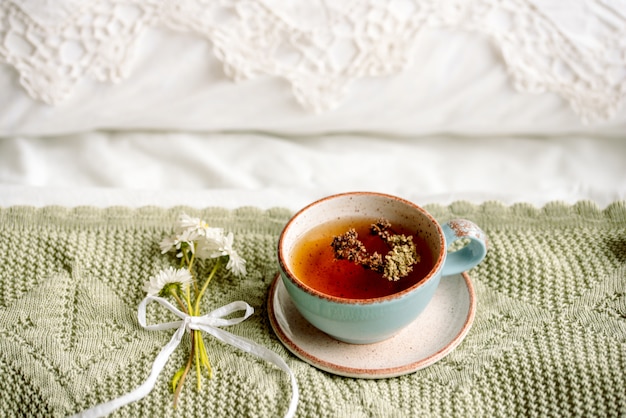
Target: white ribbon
point(208, 323)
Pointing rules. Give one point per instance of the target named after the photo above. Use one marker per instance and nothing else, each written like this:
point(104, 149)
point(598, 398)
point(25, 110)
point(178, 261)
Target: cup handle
point(468, 256)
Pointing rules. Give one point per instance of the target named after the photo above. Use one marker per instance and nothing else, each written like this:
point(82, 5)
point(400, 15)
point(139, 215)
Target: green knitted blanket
point(549, 337)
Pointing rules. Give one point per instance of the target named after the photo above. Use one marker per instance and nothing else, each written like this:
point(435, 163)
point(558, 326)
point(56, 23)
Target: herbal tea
point(315, 263)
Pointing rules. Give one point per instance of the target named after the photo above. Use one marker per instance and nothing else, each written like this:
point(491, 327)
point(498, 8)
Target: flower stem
point(204, 287)
point(179, 387)
point(190, 266)
point(197, 356)
point(205, 358)
point(179, 301)
point(201, 358)
point(193, 257)
point(188, 299)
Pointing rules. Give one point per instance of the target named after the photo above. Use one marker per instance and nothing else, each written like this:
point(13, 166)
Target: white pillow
point(466, 68)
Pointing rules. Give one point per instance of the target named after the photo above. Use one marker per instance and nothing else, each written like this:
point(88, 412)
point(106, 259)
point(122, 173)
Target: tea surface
point(314, 262)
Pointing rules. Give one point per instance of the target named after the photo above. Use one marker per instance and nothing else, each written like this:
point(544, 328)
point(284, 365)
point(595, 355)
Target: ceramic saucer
point(434, 334)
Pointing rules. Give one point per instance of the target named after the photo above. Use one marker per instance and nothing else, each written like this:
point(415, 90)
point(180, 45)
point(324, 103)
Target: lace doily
point(576, 49)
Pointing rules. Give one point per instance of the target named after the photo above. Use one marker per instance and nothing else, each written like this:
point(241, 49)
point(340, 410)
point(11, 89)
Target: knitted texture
point(549, 337)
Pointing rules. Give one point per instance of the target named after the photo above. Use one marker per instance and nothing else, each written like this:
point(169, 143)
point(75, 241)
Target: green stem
point(204, 287)
point(179, 301)
point(179, 387)
point(193, 256)
point(205, 358)
point(189, 262)
point(188, 299)
point(197, 356)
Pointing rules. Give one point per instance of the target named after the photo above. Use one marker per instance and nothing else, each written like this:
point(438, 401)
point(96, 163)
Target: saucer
point(434, 334)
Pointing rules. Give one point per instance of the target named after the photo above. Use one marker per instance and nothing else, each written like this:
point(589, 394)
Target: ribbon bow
point(208, 323)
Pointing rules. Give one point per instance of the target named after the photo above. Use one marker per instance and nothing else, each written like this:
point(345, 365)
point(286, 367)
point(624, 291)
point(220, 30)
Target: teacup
point(362, 319)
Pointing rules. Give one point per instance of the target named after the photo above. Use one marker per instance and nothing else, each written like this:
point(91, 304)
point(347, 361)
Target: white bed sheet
point(492, 98)
point(240, 169)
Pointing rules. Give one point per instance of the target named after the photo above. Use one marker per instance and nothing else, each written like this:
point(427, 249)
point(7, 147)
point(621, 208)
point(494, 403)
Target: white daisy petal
point(210, 243)
point(167, 244)
point(236, 264)
point(207, 242)
point(186, 222)
point(165, 277)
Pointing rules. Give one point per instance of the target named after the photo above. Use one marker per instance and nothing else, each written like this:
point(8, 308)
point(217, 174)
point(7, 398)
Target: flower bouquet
point(193, 241)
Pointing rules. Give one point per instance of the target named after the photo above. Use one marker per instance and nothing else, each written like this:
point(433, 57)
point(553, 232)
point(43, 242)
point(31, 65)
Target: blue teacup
point(364, 321)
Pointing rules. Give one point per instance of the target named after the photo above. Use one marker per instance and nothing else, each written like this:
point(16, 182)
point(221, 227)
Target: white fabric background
point(231, 170)
point(410, 67)
point(457, 83)
point(480, 107)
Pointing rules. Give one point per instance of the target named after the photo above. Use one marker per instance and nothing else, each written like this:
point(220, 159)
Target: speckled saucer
point(433, 335)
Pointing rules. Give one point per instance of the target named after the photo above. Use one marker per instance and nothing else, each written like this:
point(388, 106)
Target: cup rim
point(286, 271)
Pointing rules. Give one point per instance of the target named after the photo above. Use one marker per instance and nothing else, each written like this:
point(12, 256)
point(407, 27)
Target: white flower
point(187, 237)
point(176, 242)
point(206, 242)
point(167, 244)
point(208, 249)
point(186, 222)
point(195, 234)
point(161, 283)
point(209, 243)
point(215, 235)
point(236, 264)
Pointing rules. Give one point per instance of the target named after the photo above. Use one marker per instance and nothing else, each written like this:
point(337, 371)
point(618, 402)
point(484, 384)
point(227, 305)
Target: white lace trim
point(576, 49)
